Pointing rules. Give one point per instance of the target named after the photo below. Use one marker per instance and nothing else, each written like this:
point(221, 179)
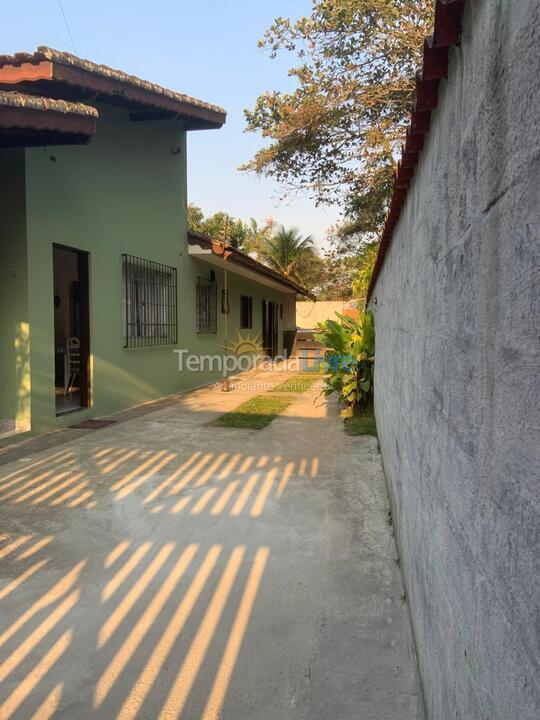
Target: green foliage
point(258, 234)
point(336, 133)
point(347, 269)
point(367, 255)
point(195, 218)
point(288, 253)
point(341, 274)
point(283, 250)
point(220, 226)
point(365, 208)
point(361, 424)
point(349, 359)
point(311, 269)
point(256, 413)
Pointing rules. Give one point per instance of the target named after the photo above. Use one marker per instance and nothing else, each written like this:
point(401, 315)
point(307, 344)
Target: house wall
point(14, 339)
point(122, 193)
point(237, 285)
point(456, 313)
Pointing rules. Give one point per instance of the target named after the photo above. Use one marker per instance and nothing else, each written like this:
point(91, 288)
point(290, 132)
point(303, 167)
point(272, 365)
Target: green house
point(102, 288)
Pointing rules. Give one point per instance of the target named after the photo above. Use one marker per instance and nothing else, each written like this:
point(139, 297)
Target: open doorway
point(71, 329)
point(270, 328)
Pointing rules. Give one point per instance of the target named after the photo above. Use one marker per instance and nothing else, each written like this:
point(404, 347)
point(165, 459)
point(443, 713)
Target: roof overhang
point(57, 74)
point(29, 121)
point(207, 249)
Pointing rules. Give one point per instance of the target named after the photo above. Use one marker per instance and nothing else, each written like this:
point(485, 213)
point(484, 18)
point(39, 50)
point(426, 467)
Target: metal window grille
point(206, 307)
point(246, 312)
point(150, 304)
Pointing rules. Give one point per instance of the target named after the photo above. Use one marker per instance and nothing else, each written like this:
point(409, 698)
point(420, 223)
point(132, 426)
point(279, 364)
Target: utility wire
point(67, 27)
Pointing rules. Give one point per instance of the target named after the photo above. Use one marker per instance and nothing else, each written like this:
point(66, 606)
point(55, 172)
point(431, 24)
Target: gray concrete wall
point(457, 383)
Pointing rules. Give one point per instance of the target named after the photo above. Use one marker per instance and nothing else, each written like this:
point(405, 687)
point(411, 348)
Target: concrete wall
point(457, 382)
point(309, 313)
point(122, 193)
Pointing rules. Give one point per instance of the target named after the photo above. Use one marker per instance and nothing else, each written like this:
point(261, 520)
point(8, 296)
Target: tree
point(195, 218)
point(350, 259)
point(220, 226)
point(310, 269)
point(283, 250)
point(336, 134)
point(334, 278)
point(287, 252)
point(223, 226)
point(366, 260)
point(258, 234)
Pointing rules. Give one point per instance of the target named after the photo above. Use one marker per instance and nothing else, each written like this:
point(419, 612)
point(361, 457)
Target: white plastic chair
point(73, 363)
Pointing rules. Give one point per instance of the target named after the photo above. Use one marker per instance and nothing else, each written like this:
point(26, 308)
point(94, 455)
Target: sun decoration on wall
point(244, 345)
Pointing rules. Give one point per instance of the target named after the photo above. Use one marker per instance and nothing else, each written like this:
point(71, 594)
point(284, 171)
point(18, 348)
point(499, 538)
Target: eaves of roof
point(29, 120)
point(43, 104)
point(237, 257)
point(60, 74)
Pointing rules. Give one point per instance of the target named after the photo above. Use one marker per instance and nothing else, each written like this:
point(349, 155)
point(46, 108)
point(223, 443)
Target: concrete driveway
point(164, 568)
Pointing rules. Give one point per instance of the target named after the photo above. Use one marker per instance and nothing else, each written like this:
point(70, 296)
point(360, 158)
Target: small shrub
point(349, 359)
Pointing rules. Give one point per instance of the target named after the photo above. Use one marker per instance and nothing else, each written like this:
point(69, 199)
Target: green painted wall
point(122, 193)
point(14, 340)
point(238, 285)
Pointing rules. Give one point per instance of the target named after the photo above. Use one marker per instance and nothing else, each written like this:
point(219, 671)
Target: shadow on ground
point(164, 568)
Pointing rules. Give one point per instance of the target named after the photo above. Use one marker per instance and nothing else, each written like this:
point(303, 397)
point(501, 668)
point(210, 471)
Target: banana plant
point(349, 356)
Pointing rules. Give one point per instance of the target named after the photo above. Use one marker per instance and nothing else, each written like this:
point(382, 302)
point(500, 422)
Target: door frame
point(270, 328)
point(83, 270)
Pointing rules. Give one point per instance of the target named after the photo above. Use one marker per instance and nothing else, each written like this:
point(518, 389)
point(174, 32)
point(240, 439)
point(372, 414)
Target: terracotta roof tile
point(237, 256)
point(64, 58)
point(33, 102)
point(446, 32)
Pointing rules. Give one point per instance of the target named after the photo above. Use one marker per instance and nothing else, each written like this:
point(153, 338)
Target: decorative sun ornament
point(244, 345)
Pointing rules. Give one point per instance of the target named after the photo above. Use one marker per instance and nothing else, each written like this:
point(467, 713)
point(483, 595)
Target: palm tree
point(286, 252)
point(257, 234)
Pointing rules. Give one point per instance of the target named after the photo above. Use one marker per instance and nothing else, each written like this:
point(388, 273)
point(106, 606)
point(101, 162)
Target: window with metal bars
point(246, 312)
point(150, 305)
point(206, 306)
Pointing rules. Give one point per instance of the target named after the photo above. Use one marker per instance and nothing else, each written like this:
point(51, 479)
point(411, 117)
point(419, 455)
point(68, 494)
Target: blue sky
point(207, 49)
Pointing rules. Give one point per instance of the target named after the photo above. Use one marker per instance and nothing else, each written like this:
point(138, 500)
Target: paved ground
point(163, 567)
